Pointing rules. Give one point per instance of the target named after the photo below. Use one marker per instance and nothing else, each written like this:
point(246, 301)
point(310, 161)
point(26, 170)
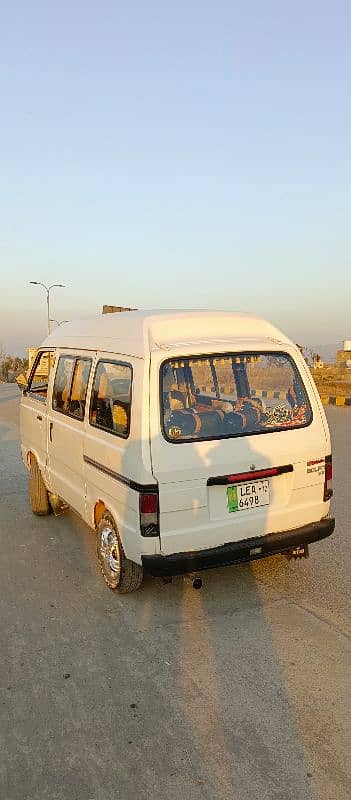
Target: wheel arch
point(134, 545)
point(31, 456)
point(98, 511)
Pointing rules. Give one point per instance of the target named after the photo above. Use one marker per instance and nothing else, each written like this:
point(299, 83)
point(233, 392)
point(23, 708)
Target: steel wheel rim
point(110, 553)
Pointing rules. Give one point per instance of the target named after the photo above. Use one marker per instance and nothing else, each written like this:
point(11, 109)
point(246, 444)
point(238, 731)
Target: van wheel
point(38, 495)
point(119, 573)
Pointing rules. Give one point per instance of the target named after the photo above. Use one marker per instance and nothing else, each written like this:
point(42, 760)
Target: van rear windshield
point(235, 394)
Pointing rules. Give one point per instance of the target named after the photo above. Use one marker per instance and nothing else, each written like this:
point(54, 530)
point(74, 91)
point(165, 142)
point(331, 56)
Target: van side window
point(39, 379)
point(62, 385)
point(79, 388)
point(111, 398)
point(70, 387)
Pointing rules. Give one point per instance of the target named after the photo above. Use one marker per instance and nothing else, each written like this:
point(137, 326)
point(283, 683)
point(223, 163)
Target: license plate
point(245, 496)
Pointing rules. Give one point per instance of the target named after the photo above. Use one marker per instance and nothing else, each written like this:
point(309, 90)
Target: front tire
point(38, 495)
point(119, 572)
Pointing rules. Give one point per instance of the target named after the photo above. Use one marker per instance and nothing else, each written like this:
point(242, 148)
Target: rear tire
point(38, 495)
point(120, 574)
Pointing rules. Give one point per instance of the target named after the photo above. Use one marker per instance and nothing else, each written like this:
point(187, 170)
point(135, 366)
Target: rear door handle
point(39, 418)
point(51, 425)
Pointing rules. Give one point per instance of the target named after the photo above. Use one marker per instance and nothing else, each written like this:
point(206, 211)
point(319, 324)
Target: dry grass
point(332, 381)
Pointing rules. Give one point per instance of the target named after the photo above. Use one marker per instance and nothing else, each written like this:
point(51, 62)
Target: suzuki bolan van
point(185, 439)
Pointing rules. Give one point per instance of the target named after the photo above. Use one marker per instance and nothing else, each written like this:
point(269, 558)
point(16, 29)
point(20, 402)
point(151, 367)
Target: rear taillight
point(328, 478)
point(148, 506)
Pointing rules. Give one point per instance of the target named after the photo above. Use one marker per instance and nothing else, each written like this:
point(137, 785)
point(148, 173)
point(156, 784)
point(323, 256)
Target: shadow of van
point(219, 676)
point(211, 716)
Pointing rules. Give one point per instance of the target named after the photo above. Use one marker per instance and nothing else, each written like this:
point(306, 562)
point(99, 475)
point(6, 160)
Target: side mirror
point(21, 383)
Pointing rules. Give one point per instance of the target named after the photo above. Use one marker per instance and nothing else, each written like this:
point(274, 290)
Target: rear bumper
point(235, 552)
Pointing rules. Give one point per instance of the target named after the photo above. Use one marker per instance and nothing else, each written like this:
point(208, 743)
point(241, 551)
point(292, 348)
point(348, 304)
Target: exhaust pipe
point(197, 582)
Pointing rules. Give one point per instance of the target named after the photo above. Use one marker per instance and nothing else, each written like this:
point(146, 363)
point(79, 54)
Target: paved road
point(241, 690)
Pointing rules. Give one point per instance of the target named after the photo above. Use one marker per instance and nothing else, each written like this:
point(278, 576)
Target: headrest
point(177, 400)
point(77, 386)
point(105, 389)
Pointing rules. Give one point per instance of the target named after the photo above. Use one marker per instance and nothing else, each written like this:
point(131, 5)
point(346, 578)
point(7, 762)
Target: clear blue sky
point(188, 154)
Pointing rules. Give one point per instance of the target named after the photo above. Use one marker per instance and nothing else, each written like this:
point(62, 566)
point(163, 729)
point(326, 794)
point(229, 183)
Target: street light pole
point(48, 290)
point(59, 323)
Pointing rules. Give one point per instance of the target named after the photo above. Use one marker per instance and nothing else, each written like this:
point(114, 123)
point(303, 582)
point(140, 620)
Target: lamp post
point(59, 323)
point(48, 290)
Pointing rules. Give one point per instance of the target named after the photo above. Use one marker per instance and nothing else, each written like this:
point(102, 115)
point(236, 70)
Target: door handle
point(39, 417)
point(51, 425)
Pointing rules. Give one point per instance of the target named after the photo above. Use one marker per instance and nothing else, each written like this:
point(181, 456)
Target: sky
point(187, 155)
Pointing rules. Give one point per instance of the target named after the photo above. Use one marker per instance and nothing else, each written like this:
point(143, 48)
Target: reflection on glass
point(234, 394)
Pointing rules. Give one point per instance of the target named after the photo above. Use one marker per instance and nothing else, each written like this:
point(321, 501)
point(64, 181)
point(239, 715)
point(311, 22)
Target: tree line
point(11, 366)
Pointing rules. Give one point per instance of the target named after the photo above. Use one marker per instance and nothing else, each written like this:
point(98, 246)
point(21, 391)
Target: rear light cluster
point(258, 473)
point(149, 514)
point(328, 478)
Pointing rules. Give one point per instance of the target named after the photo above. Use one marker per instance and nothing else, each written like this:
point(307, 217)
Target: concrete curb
point(230, 389)
point(336, 400)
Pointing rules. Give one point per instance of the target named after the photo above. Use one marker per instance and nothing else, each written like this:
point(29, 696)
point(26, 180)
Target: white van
point(185, 439)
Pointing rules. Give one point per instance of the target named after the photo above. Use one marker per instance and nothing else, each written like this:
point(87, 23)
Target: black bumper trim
point(235, 552)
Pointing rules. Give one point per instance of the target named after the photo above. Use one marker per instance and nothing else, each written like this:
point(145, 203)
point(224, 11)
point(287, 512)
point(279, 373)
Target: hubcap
point(109, 549)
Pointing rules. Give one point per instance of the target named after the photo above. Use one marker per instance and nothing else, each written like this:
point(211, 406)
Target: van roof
point(136, 333)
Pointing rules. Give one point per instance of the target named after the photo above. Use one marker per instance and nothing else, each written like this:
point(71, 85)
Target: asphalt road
point(240, 690)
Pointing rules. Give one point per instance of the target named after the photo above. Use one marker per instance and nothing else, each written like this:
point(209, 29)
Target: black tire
point(119, 573)
point(38, 495)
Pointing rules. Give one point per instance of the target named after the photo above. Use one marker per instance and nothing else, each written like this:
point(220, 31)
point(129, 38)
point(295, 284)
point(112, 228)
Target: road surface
point(238, 691)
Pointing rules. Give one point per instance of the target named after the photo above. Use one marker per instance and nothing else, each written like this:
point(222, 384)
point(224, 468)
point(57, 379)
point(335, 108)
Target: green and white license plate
point(245, 496)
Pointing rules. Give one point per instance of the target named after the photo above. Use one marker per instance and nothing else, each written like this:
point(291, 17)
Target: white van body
point(93, 471)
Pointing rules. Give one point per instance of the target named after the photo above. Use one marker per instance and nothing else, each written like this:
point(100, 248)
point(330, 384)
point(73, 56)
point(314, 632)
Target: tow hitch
point(300, 551)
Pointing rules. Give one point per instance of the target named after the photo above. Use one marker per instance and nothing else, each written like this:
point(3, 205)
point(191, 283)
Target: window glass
point(38, 385)
point(211, 397)
point(200, 370)
point(270, 373)
point(225, 377)
point(111, 398)
point(70, 386)
point(79, 388)
point(62, 385)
